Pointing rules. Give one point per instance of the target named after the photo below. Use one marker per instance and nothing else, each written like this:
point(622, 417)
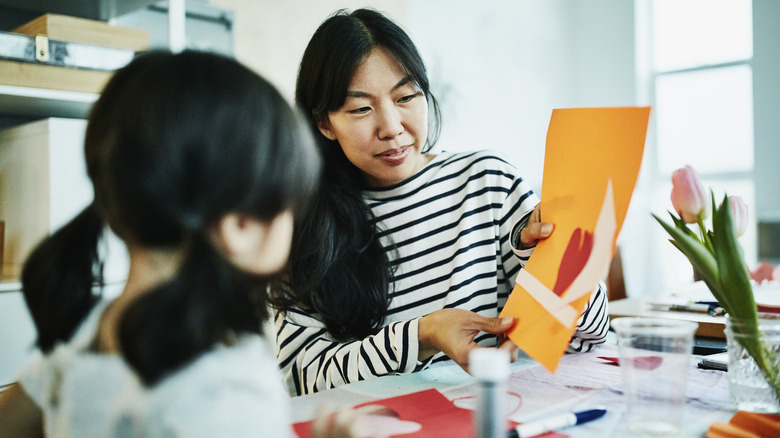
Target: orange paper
point(591, 164)
point(746, 425)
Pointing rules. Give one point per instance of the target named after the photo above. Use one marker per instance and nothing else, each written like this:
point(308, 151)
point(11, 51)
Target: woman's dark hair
point(338, 267)
point(174, 143)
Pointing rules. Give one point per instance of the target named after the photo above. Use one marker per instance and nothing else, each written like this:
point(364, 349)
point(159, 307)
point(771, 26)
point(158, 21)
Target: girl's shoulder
point(247, 360)
point(72, 378)
point(225, 391)
point(36, 376)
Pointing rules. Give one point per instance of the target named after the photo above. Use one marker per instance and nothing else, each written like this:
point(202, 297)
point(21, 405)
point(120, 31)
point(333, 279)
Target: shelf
point(9, 280)
point(10, 286)
point(103, 10)
point(41, 102)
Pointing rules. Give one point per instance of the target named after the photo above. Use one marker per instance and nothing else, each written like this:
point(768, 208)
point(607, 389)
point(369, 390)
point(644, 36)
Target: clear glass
point(654, 361)
point(694, 33)
point(750, 390)
point(706, 118)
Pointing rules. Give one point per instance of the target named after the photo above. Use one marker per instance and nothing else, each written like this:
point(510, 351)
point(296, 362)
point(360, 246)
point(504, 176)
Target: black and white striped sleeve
point(312, 361)
point(593, 324)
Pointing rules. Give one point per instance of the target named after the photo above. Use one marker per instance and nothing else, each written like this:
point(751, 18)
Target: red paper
point(437, 416)
point(641, 363)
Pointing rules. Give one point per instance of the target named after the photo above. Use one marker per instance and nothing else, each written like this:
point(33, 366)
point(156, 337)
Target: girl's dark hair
point(338, 267)
point(174, 143)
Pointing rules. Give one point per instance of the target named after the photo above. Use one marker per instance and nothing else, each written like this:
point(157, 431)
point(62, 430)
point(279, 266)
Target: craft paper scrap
point(591, 165)
point(746, 424)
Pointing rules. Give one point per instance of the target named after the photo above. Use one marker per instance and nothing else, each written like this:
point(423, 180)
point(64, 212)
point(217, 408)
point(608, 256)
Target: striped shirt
point(450, 225)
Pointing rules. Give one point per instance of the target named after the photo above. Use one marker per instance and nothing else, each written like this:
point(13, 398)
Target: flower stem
point(748, 335)
point(705, 237)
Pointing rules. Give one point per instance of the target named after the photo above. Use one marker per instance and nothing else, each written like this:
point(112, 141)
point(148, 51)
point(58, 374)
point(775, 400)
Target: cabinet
point(43, 181)
point(51, 123)
point(39, 102)
point(210, 28)
point(61, 114)
point(56, 146)
point(102, 10)
point(43, 185)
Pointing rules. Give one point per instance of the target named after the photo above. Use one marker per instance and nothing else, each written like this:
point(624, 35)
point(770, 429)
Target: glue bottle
point(490, 367)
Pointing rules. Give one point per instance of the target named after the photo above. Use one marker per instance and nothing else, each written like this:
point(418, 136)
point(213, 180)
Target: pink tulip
point(689, 197)
point(739, 214)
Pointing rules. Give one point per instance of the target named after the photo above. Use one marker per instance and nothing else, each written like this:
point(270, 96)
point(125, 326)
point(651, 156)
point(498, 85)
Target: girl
point(199, 166)
point(407, 256)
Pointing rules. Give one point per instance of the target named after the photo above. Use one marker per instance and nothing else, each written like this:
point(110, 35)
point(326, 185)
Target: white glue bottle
point(490, 367)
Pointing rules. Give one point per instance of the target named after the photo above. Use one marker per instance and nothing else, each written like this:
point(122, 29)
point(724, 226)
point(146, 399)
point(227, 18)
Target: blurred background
point(710, 70)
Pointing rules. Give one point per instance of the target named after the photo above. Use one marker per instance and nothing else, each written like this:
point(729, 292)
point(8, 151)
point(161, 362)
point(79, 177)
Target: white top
point(230, 391)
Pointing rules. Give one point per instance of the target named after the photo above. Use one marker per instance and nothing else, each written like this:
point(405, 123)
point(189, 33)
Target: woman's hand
point(452, 331)
point(535, 229)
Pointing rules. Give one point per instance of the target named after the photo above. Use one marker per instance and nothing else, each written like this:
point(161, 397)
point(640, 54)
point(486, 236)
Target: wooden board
point(82, 30)
point(23, 74)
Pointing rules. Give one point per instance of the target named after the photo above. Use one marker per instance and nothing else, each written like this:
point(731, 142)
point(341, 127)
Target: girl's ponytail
point(59, 276)
point(209, 302)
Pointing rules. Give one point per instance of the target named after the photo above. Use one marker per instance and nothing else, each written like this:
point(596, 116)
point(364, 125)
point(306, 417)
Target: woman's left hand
point(535, 229)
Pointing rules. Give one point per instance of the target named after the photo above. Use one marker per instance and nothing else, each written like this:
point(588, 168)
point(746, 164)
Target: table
point(709, 326)
point(581, 381)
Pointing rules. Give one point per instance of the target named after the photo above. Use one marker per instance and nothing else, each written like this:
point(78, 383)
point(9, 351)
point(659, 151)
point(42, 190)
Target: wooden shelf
point(93, 9)
point(10, 286)
point(41, 102)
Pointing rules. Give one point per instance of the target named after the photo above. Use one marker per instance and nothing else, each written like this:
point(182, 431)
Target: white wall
point(499, 67)
point(498, 70)
point(271, 35)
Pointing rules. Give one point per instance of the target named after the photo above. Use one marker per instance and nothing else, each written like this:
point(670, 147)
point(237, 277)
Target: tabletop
point(708, 326)
point(581, 381)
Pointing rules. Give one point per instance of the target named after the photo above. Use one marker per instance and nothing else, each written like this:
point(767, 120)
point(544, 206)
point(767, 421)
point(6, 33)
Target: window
point(699, 81)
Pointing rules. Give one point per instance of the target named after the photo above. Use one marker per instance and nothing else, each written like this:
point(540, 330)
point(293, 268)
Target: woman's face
point(383, 124)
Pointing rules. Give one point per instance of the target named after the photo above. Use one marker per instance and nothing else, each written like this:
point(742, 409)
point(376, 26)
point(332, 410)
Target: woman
point(406, 257)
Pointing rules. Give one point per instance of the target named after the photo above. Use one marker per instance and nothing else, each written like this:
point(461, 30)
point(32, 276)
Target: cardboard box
point(43, 185)
point(82, 30)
